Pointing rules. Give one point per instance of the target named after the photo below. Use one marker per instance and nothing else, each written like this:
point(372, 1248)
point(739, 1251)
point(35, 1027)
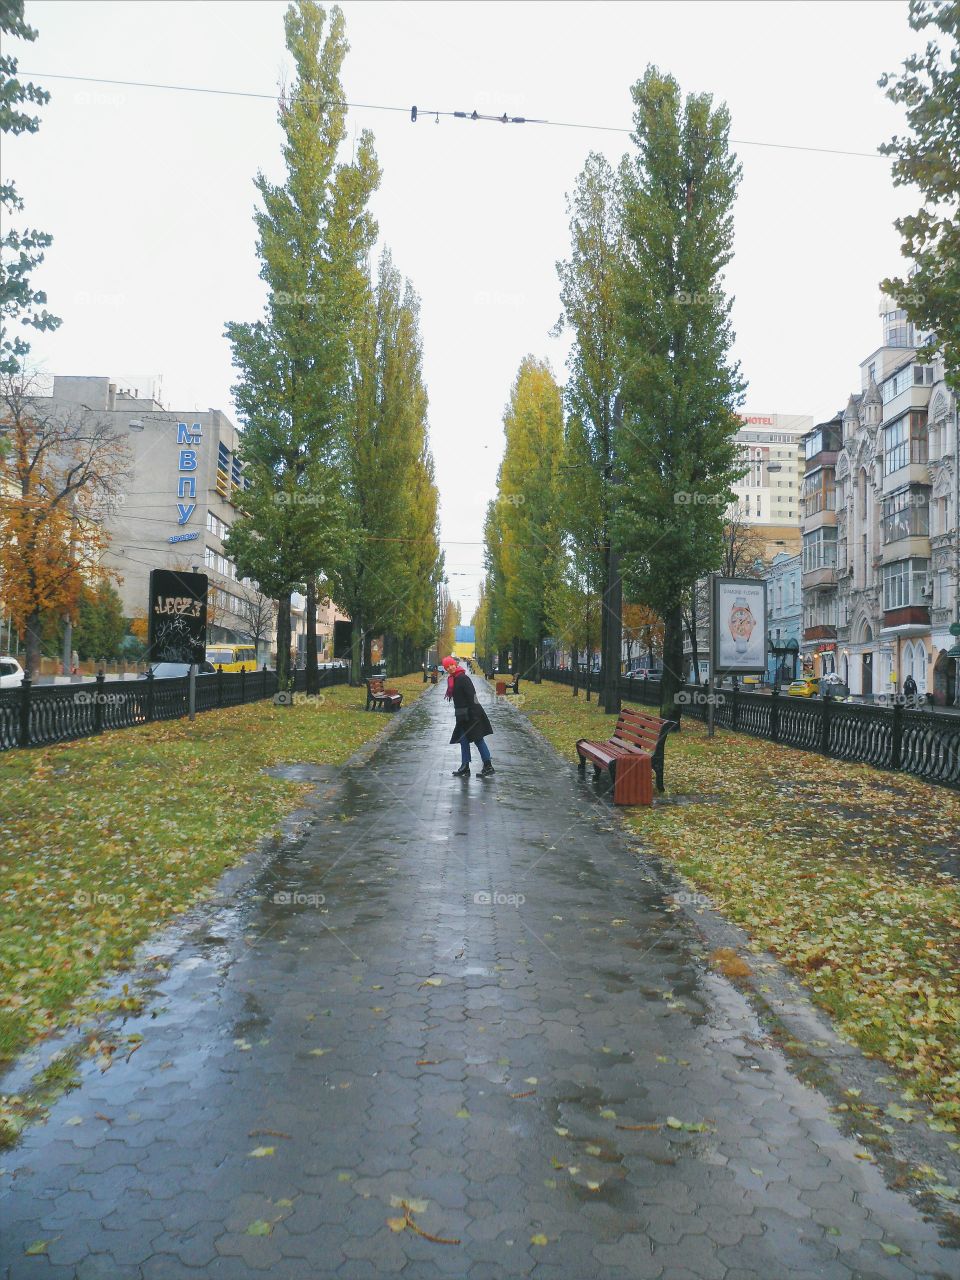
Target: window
point(903, 583)
point(905, 442)
point(223, 470)
point(902, 379)
point(820, 549)
point(906, 514)
point(818, 491)
point(216, 526)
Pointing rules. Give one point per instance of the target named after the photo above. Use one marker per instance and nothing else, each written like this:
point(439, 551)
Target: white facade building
point(768, 495)
point(897, 554)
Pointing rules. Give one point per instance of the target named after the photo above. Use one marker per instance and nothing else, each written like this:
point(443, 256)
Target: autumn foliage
point(58, 474)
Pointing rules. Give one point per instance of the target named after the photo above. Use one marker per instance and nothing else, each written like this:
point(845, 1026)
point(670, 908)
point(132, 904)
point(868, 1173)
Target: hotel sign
point(188, 451)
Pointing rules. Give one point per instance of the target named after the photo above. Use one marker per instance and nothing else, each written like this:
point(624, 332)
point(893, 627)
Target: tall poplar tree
point(386, 577)
point(675, 448)
point(530, 533)
point(293, 390)
point(590, 290)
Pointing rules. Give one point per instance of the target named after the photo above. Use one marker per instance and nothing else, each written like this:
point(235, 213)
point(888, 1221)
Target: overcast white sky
point(149, 193)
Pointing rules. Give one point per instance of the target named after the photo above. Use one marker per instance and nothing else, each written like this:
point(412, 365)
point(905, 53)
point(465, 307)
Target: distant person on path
point(910, 689)
point(472, 724)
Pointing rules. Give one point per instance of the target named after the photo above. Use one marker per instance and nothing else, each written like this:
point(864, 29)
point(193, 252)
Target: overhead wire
point(416, 112)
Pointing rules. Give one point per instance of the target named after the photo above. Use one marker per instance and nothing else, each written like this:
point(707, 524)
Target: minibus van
point(233, 657)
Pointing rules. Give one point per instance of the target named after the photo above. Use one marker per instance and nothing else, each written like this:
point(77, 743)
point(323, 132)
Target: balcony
point(822, 631)
point(825, 458)
point(825, 576)
point(911, 620)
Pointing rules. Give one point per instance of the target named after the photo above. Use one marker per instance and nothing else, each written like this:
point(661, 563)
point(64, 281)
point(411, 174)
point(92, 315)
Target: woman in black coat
point(472, 724)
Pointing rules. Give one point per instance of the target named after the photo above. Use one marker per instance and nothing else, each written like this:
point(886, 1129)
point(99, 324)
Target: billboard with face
point(739, 626)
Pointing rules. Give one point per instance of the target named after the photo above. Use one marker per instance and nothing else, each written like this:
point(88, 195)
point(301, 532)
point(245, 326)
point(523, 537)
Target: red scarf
point(457, 671)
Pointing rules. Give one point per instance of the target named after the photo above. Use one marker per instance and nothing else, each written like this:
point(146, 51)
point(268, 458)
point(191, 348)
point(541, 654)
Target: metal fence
point(37, 715)
point(919, 742)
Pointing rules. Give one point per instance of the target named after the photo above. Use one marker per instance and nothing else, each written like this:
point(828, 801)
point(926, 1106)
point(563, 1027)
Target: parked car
point(11, 673)
point(808, 687)
point(173, 670)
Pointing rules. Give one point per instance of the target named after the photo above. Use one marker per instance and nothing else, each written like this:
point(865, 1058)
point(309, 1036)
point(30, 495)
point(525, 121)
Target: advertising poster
point(739, 626)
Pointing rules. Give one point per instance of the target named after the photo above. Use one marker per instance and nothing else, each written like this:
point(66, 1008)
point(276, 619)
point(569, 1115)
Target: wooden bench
point(378, 697)
point(632, 755)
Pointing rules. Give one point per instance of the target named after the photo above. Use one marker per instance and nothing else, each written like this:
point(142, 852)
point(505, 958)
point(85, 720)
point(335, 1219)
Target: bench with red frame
point(633, 755)
point(378, 697)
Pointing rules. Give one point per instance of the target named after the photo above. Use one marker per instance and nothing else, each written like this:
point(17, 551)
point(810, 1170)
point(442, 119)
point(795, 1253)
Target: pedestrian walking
point(472, 724)
point(910, 690)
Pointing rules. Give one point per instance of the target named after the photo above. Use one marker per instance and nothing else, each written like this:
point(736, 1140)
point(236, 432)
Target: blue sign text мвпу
point(187, 462)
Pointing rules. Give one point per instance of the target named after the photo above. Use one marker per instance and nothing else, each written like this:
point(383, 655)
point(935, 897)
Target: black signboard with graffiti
point(178, 616)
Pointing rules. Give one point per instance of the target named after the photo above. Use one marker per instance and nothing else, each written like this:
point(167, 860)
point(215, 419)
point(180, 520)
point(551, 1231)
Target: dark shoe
point(462, 772)
point(487, 771)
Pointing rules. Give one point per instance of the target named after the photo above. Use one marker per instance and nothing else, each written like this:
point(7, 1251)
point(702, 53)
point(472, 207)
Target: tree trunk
point(604, 625)
point(613, 612)
point(356, 653)
point(672, 679)
point(693, 636)
point(283, 641)
point(313, 672)
point(575, 667)
point(390, 655)
point(34, 630)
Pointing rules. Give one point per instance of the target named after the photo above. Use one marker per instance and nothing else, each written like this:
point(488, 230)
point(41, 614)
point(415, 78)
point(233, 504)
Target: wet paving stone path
point(453, 1011)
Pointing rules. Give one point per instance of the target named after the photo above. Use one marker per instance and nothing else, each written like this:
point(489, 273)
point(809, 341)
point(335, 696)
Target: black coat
point(472, 722)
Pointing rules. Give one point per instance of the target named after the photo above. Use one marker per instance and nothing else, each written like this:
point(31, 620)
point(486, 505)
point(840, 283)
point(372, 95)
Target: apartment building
point(881, 551)
point(177, 505)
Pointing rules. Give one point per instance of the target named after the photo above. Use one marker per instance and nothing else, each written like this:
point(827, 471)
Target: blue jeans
point(481, 747)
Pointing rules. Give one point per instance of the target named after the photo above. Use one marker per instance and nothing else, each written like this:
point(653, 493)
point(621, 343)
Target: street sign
point(177, 616)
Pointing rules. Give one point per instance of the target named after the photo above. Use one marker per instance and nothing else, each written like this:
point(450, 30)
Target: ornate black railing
point(34, 716)
point(924, 743)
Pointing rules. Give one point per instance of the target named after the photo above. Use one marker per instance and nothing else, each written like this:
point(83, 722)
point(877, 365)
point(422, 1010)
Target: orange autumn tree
point(140, 626)
point(60, 469)
point(644, 628)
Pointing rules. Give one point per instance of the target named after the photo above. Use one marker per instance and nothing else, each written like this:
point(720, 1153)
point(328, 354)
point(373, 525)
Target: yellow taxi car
point(233, 657)
point(808, 687)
